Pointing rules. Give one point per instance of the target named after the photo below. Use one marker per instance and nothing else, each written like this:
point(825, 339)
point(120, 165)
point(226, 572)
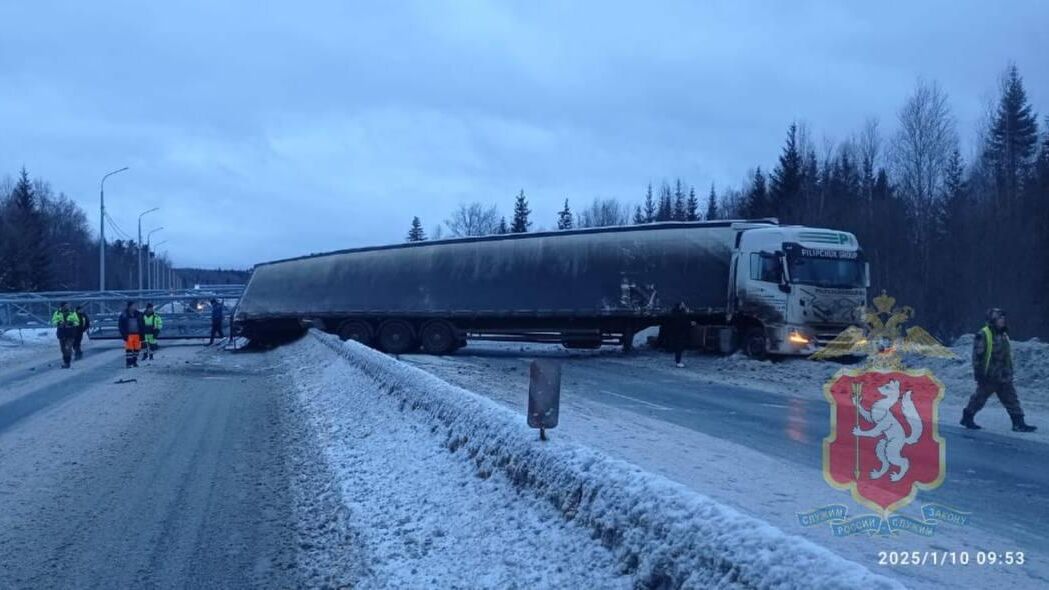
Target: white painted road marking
point(639, 401)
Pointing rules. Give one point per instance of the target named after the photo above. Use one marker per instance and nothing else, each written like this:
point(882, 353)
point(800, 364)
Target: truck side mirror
point(784, 273)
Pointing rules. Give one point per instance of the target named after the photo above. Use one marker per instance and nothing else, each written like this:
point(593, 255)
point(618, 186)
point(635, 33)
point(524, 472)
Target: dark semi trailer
point(752, 284)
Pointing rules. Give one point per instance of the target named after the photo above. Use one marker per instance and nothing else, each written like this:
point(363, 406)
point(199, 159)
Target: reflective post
point(544, 395)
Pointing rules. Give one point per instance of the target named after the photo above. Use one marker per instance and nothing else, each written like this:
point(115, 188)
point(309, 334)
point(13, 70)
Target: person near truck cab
point(78, 339)
point(152, 322)
point(66, 323)
point(131, 329)
point(216, 320)
point(993, 369)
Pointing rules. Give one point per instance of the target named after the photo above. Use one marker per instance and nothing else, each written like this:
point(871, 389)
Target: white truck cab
point(792, 289)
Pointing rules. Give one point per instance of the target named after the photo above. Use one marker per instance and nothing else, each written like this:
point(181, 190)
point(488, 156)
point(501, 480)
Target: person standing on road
point(78, 340)
point(66, 323)
point(152, 322)
point(131, 329)
point(677, 329)
point(993, 369)
point(216, 321)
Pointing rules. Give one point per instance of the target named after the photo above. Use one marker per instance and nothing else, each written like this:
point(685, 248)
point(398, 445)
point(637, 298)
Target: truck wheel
point(396, 337)
point(754, 344)
point(356, 330)
point(438, 337)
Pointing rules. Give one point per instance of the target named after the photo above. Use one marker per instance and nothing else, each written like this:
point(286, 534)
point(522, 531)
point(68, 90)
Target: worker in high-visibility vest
point(993, 370)
point(67, 322)
point(153, 323)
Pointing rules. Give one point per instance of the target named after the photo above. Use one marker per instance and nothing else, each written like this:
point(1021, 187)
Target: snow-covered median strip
point(553, 514)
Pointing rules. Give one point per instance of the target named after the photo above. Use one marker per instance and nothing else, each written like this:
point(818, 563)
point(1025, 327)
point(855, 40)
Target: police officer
point(131, 330)
point(153, 323)
point(993, 370)
point(78, 340)
point(67, 322)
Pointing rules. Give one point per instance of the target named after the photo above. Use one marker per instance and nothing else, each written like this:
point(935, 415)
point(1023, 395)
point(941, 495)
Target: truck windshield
point(827, 272)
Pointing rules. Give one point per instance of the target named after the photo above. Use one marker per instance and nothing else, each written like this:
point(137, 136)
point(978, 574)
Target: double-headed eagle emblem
point(882, 339)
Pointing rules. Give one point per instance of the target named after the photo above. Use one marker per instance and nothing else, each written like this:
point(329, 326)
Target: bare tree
point(473, 219)
point(603, 213)
point(923, 145)
point(868, 146)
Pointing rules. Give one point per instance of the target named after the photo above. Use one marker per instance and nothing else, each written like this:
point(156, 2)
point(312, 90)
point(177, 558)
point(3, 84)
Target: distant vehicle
point(754, 285)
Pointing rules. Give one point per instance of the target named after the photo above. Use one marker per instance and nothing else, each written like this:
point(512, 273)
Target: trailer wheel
point(396, 337)
point(754, 344)
point(356, 330)
point(438, 337)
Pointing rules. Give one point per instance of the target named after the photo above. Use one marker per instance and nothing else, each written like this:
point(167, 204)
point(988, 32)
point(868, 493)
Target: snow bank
point(661, 533)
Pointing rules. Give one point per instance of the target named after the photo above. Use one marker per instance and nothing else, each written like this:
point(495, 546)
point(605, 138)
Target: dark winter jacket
point(992, 356)
point(131, 323)
point(216, 314)
point(676, 329)
point(85, 322)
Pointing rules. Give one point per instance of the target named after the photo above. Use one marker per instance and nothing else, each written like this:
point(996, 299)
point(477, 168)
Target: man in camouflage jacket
point(993, 370)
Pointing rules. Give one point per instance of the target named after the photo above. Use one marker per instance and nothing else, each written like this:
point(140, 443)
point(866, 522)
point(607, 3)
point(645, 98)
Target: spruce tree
point(520, 223)
point(503, 228)
point(416, 233)
point(564, 217)
point(692, 206)
point(650, 205)
point(639, 216)
point(665, 209)
point(785, 189)
point(1013, 137)
point(28, 251)
point(680, 208)
point(712, 204)
point(756, 204)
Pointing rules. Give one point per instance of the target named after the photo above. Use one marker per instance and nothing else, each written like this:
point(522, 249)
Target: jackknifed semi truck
point(751, 285)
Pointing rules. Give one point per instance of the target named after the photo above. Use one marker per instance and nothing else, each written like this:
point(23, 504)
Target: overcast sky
point(266, 130)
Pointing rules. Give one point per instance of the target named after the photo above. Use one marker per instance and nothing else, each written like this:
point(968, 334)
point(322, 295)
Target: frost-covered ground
point(444, 488)
point(652, 435)
point(18, 344)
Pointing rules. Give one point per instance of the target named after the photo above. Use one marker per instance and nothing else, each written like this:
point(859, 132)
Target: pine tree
point(665, 209)
point(785, 189)
point(712, 204)
point(680, 212)
point(692, 205)
point(416, 233)
point(639, 216)
point(502, 228)
point(564, 217)
point(1012, 139)
point(650, 205)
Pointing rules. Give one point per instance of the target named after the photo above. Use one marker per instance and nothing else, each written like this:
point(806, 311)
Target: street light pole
point(140, 244)
point(149, 250)
point(102, 229)
point(155, 276)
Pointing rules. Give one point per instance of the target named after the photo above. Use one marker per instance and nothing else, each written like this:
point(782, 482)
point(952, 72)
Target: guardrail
point(186, 312)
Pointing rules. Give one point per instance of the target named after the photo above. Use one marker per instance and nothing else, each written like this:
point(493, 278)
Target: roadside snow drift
point(552, 513)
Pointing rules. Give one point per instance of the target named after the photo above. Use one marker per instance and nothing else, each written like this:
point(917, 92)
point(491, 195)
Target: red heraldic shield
point(884, 442)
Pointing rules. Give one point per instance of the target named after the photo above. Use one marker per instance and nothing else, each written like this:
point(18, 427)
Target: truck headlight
point(797, 337)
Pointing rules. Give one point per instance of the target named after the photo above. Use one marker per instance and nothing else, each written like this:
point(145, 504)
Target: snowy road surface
point(177, 480)
point(319, 464)
point(758, 447)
